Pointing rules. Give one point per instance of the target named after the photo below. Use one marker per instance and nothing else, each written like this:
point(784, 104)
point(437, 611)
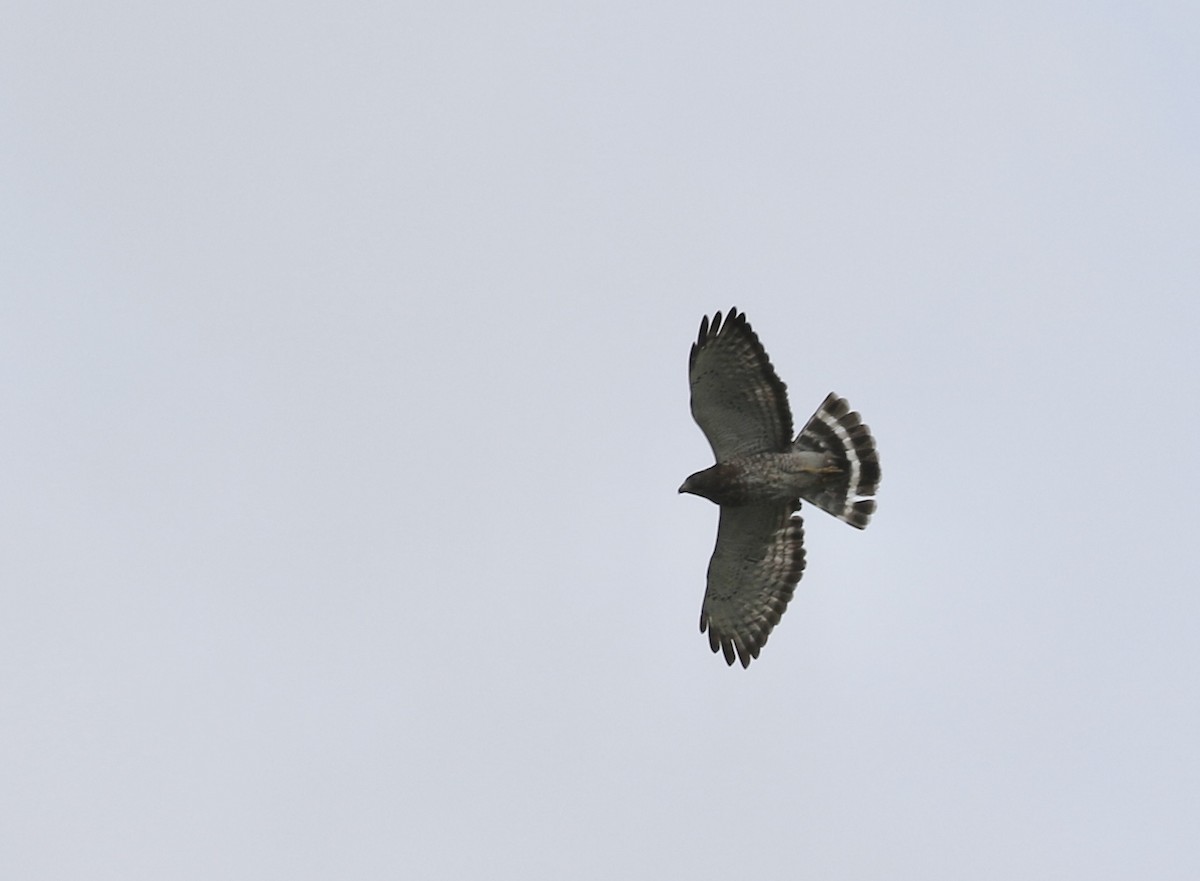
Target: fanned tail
point(839, 432)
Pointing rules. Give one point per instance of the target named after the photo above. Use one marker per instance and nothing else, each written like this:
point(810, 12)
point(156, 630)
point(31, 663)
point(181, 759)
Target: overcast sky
point(344, 405)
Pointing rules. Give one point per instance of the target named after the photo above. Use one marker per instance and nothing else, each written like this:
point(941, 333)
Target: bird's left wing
point(757, 562)
point(738, 399)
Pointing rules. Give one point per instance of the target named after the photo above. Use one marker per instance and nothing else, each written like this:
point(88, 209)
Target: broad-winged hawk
point(759, 479)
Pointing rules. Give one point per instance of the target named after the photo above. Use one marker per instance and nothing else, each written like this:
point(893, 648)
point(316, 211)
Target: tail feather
point(839, 432)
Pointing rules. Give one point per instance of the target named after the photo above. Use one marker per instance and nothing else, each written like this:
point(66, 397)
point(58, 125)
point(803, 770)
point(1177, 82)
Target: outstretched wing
point(837, 430)
point(737, 398)
point(753, 573)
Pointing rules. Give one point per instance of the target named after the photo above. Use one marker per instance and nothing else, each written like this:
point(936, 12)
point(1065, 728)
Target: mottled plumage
point(760, 476)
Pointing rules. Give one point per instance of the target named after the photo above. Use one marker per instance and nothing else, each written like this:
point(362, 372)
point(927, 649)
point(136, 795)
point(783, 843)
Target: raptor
point(760, 477)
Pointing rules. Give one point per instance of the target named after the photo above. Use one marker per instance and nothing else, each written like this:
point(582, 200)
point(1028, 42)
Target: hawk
point(760, 477)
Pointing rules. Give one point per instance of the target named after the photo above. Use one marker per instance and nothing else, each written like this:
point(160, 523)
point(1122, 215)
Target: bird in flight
point(759, 479)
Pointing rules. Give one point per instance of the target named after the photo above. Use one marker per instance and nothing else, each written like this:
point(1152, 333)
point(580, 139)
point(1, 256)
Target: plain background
point(344, 405)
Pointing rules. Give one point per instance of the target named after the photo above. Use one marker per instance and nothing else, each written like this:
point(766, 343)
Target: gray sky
point(344, 352)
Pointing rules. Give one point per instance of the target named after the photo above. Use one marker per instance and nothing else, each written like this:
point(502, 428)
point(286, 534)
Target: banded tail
point(838, 431)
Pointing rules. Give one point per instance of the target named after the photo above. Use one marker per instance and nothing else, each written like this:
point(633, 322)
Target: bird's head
point(717, 484)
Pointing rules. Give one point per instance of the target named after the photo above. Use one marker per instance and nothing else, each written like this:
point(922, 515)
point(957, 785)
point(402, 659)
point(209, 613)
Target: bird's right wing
point(755, 567)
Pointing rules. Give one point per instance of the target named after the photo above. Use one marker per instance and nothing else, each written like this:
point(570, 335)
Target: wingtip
point(730, 657)
point(711, 327)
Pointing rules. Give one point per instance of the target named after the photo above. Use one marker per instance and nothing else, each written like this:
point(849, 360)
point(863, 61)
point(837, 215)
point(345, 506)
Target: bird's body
point(759, 478)
point(762, 477)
